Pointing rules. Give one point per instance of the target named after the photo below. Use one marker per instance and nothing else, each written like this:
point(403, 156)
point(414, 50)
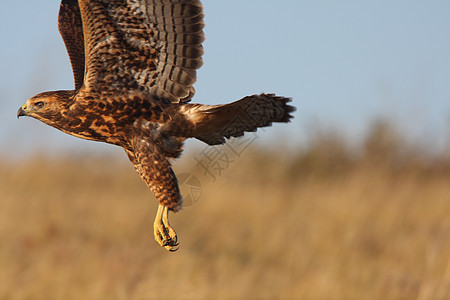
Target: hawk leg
point(152, 164)
point(164, 234)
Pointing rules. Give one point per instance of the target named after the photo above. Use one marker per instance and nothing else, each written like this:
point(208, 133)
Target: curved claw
point(164, 234)
point(173, 249)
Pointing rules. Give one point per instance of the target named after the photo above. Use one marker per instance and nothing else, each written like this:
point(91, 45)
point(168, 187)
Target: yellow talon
point(164, 234)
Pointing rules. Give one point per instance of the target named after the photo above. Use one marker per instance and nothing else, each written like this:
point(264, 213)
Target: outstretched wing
point(151, 45)
point(71, 29)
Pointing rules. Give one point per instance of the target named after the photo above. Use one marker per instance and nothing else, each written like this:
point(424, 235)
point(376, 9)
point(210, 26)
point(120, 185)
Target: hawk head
point(45, 107)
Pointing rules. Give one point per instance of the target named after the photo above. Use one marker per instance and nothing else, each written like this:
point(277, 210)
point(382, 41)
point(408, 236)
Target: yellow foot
point(164, 234)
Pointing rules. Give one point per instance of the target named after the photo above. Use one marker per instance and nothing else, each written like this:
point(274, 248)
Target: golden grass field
point(314, 223)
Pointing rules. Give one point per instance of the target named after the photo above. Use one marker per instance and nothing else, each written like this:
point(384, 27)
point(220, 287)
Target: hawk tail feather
point(214, 123)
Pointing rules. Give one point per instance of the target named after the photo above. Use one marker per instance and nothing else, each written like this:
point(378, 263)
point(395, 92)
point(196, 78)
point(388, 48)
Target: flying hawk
point(134, 64)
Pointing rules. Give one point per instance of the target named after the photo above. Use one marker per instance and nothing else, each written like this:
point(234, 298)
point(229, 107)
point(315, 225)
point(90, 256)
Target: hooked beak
point(22, 112)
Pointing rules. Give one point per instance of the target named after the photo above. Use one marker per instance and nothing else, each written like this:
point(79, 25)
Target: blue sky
point(344, 63)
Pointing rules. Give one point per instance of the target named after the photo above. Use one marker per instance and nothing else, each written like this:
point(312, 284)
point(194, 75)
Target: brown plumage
point(134, 64)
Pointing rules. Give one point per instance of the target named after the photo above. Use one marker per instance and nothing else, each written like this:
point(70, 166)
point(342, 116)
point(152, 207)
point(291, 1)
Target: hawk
point(134, 64)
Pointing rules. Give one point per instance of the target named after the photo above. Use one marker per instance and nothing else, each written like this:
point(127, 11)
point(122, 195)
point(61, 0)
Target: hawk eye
point(39, 104)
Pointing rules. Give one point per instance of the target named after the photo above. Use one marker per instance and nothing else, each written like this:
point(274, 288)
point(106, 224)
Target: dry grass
point(328, 225)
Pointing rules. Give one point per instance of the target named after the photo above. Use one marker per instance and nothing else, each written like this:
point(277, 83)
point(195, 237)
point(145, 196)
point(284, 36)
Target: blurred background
point(350, 200)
